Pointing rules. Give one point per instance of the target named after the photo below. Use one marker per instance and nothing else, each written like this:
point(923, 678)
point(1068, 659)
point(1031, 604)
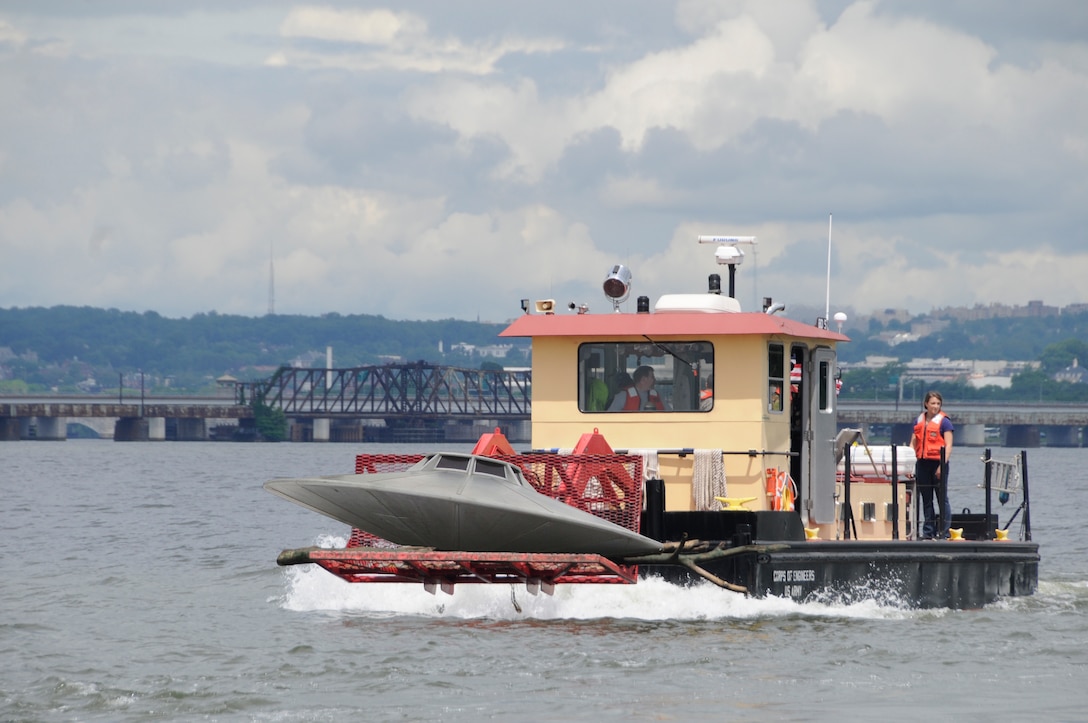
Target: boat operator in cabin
point(932, 443)
point(640, 396)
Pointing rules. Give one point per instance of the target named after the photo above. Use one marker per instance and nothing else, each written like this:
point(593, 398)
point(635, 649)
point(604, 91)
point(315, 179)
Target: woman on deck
point(932, 442)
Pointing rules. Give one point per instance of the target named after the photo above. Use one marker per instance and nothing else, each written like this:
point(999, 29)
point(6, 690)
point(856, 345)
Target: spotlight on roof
point(617, 285)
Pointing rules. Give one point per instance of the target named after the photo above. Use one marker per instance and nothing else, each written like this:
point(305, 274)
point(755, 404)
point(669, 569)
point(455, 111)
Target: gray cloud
point(152, 155)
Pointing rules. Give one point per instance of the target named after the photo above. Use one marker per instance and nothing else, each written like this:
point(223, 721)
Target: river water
point(138, 582)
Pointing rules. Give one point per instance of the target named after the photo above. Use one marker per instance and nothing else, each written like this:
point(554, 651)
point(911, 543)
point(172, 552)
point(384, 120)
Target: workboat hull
point(774, 559)
point(936, 574)
point(461, 502)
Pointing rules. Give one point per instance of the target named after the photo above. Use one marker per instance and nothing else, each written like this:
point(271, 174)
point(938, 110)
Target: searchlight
point(617, 285)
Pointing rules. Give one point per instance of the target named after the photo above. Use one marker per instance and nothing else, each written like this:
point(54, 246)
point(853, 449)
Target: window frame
point(599, 363)
point(776, 377)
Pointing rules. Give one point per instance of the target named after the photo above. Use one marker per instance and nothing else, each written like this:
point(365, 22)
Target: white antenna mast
point(729, 254)
point(827, 298)
point(271, 281)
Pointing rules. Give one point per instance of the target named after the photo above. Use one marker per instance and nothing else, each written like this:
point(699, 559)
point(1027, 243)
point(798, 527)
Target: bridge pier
point(192, 430)
point(47, 429)
point(52, 428)
point(11, 429)
point(520, 431)
point(349, 431)
point(160, 419)
point(970, 435)
point(325, 430)
point(1062, 436)
point(1022, 435)
point(130, 429)
point(902, 433)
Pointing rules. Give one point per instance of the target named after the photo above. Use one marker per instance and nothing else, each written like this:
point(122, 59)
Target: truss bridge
point(413, 400)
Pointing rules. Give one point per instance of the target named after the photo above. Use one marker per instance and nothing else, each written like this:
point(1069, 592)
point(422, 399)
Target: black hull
point(958, 574)
point(939, 574)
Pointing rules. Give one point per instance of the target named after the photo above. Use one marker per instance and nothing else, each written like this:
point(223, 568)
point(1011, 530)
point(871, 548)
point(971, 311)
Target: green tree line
point(892, 381)
point(61, 347)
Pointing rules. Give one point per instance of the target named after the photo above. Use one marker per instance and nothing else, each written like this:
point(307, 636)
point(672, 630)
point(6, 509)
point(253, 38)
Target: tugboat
point(714, 433)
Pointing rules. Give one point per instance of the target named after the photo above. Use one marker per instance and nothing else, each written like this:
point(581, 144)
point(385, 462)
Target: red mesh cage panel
point(606, 485)
point(373, 463)
point(448, 568)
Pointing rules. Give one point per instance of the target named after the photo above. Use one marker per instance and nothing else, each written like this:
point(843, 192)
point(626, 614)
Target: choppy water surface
point(138, 581)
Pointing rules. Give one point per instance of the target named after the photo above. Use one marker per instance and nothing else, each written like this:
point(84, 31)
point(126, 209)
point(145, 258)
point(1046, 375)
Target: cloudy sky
point(443, 160)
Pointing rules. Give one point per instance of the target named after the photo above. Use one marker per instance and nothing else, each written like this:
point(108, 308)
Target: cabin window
point(776, 377)
point(495, 469)
point(673, 376)
point(826, 382)
point(457, 463)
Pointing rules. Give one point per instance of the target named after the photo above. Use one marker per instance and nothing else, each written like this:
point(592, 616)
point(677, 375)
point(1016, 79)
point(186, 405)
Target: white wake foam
point(310, 588)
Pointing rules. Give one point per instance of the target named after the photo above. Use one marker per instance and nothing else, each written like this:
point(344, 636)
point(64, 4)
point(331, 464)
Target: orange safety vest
point(928, 436)
point(634, 402)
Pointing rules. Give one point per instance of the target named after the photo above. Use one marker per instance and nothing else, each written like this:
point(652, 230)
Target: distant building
point(1038, 309)
point(978, 381)
point(1075, 374)
point(977, 373)
point(871, 362)
point(309, 360)
point(938, 370)
point(885, 315)
point(894, 338)
point(1033, 310)
point(496, 351)
point(925, 327)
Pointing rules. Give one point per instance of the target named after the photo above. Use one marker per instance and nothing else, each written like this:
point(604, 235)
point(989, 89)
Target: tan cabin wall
point(739, 420)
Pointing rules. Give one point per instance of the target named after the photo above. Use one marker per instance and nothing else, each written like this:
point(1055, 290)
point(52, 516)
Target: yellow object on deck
point(1002, 534)
point(812, 533)
point(956, 533)
point(735, 503)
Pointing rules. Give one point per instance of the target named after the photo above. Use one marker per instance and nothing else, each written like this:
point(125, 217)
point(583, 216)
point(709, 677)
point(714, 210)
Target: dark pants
point(930, 486)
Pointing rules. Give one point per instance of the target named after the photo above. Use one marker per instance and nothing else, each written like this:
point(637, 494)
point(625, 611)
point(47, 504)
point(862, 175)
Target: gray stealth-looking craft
point(461, 502)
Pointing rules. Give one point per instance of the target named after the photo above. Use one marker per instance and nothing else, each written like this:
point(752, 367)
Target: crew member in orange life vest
point(639, 396)
point(932, 434)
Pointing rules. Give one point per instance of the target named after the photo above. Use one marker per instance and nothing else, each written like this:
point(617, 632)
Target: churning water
point(138, 581)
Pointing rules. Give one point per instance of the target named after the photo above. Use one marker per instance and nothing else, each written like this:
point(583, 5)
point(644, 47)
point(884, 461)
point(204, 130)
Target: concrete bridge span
point(424, 398)
point(47, 418)
point(1018, 424)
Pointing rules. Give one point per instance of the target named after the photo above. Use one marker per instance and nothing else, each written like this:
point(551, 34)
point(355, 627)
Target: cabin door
point(799, 396)
point(818, 452)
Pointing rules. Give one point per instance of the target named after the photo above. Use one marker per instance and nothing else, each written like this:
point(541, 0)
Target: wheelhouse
point(757, 388)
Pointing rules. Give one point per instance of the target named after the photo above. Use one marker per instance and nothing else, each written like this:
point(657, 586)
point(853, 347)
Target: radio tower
point(271, 283)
